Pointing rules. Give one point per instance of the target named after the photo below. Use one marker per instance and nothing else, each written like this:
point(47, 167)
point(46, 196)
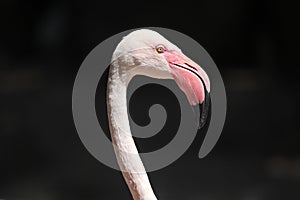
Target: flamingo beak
point(192, 80)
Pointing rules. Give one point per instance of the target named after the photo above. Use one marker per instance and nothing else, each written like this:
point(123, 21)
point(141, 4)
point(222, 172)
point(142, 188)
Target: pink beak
point(192, 80)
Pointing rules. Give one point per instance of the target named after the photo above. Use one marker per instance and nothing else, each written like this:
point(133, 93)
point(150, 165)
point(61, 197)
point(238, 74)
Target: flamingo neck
point(126, 152)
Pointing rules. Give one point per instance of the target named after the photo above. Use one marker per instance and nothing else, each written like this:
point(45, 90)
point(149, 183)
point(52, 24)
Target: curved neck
point(124, 146)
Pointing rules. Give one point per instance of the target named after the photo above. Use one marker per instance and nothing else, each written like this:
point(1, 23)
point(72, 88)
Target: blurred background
point(255, 45)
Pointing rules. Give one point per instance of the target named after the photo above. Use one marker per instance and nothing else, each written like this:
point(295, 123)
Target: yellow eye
point(160, 49)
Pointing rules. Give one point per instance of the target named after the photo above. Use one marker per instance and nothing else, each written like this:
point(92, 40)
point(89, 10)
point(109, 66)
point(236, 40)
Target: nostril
point(191, 66)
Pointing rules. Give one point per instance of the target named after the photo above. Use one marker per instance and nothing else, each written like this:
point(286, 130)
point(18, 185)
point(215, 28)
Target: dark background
point(255, 45)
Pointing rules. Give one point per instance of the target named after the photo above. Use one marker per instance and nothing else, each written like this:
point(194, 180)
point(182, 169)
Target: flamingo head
point(146, 52)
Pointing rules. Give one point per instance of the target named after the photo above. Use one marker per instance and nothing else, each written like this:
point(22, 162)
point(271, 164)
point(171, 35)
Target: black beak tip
point(205, 111)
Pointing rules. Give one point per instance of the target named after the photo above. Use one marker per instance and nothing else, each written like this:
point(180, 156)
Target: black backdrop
point(254, 44)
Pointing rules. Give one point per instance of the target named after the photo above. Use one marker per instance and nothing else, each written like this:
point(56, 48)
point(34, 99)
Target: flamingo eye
point(160, 49)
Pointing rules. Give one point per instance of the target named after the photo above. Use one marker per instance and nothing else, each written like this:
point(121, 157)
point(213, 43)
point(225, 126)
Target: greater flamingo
point(146, 52)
